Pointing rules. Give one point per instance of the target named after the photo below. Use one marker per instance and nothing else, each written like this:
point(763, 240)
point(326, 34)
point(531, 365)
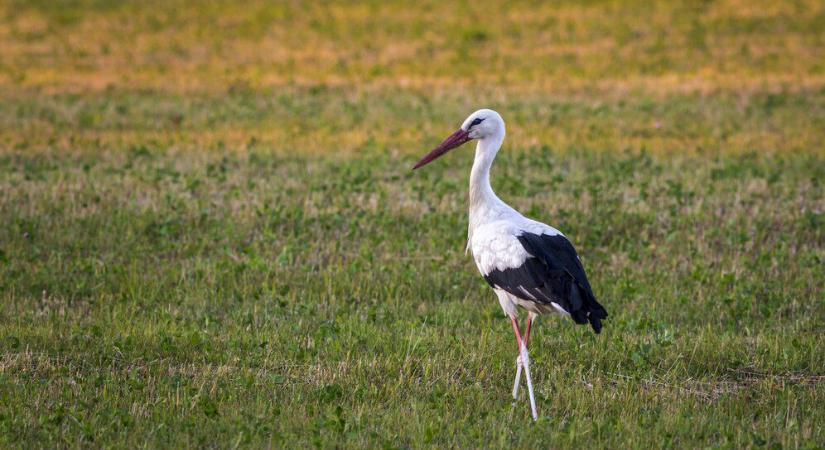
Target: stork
point(527, 263)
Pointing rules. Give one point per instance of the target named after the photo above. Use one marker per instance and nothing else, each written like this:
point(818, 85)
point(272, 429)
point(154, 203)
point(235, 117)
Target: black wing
point(554, 274)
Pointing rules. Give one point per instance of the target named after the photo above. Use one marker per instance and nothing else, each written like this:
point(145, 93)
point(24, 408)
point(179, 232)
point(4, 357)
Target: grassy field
point(210, 235)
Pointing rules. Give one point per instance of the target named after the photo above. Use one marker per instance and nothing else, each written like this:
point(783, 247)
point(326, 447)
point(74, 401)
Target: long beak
point(455, 139)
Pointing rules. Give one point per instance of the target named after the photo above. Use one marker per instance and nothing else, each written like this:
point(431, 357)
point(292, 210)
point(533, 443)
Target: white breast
point(495, 245)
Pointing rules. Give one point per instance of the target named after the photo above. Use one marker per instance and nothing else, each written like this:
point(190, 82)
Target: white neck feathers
point(484, 204)
point(481, 192)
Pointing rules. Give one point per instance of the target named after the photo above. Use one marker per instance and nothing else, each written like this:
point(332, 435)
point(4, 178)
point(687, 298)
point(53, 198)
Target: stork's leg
point(519, 364)
point(525, 358)
point(530, 317)
point(517, 382)
point(525, 362)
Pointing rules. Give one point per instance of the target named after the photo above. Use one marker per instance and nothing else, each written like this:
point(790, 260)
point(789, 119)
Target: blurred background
point(209, 234)
point(327, 75)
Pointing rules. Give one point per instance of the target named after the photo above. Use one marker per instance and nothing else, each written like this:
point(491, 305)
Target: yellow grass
point(659, 47)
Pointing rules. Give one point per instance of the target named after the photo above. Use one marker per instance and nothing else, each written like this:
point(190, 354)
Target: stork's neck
point(482, 197)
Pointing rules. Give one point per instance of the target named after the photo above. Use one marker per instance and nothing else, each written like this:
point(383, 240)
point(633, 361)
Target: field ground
point(210, 236)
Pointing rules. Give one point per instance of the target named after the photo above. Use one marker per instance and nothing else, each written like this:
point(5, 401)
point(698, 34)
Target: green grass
point(202, 245)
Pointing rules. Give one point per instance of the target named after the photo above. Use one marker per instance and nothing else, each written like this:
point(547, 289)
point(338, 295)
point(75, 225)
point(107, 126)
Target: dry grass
point(664, 47)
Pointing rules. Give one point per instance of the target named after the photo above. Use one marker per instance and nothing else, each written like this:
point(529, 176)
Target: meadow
point(210, 235)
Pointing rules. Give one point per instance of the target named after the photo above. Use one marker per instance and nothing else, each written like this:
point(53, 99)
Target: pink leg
point(523, 360)
point(517, 332)
point(530, 317)
point(519, 366)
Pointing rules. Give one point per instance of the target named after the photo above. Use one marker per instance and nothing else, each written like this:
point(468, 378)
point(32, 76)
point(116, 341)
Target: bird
point(528, 264)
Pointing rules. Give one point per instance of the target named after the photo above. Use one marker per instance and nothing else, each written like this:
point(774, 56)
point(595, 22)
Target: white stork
point(527, 263)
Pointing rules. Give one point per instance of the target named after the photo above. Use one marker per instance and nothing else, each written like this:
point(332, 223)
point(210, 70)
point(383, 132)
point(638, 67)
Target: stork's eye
point(476, 122)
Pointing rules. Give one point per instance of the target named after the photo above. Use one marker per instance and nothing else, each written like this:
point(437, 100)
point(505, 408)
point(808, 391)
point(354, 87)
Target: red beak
point(455, 139)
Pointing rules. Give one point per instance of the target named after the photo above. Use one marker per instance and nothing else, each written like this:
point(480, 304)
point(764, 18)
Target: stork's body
point(527, 263)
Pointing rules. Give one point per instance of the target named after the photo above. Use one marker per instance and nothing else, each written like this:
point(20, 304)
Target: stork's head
point(482, 124)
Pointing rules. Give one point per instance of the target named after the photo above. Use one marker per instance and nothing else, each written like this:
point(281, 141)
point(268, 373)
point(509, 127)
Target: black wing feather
point(554, 274)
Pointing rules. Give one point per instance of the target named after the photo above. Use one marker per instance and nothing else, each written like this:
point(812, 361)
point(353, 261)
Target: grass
point(210, 236)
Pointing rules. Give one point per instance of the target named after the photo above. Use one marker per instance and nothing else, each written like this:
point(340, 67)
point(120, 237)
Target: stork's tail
point(589, 311)
point(595, 314)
